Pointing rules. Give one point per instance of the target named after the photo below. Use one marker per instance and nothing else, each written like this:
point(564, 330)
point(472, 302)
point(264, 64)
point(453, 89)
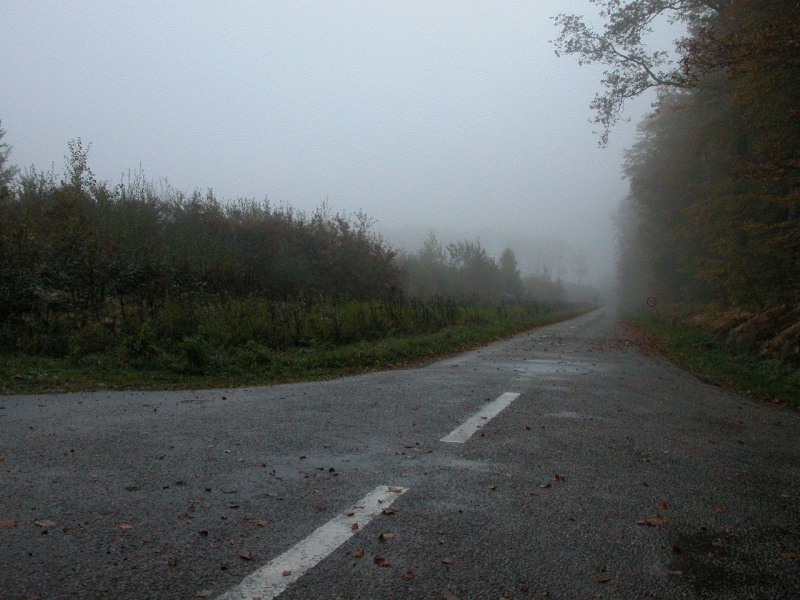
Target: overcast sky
point(453, 115)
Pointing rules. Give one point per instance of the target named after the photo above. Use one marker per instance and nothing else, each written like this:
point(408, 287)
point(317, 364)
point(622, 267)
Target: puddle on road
point(552, 368)
point(565, 414)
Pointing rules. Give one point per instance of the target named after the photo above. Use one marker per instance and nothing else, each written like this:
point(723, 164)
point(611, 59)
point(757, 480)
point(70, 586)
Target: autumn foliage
point(713, 214)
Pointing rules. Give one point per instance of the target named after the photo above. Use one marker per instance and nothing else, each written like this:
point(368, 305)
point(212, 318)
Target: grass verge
point(734, 366)
point(250, 364)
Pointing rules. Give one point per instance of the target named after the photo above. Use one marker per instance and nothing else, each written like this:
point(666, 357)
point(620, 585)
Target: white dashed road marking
point(474, 423)
point(271, 579)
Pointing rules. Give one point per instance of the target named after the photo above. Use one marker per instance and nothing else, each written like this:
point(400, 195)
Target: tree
point(580, 266)
point(510, 281)
point(632, 67)
point(7, 172)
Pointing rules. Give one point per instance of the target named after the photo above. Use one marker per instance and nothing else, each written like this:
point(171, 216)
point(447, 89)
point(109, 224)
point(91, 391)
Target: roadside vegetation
point(724, 348)
point(140, 285)
point(711, 226)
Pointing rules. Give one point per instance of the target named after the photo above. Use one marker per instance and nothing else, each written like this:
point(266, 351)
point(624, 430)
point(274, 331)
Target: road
point(611, 474)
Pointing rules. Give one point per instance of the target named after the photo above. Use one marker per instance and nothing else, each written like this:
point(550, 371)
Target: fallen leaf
point(9, 523)
point(449, 560)
point(258, 522)
point(354, 526)
point(395, 490)
point(409, 574)
point(246, 555)
point(546, 485)
point(286, 573)
point(381, 561)
point(788, 555)
point(125, 526)
point(44, 523)
point(718, 544)
point(559, 477)
point(720, 509)
point(385, 536)
point(388, 511)
point(603, 579)
point(656, 520)
point(663, 506)
point(360, 553)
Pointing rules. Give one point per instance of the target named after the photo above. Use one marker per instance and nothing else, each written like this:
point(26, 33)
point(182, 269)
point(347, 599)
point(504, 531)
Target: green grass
point(198, 361)
point(728, 364)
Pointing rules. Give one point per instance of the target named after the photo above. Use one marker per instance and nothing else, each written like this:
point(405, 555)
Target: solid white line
point(271, 579)
point(474, 423)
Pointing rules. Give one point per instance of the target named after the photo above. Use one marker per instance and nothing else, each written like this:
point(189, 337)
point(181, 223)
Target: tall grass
point(255, 341)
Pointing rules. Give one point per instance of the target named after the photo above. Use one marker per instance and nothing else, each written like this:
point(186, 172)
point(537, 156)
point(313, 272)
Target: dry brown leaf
point(258, 522)
point(246, 555)
point(449, 560)
point(381, 561)
point(788, 555)
point(603, 579)
point(388, 511)
point(9, 523)
point(663, 506)
point(385, 536)
point(360, 553)
point(354, 526)
point(720, 509)
point(656, 520)
point(409, 574)
point(125, 526)
point(286, 573)
point(44, 523)
point(395, 490)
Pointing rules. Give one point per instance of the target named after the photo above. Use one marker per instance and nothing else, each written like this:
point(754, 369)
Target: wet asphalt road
point(614, 474)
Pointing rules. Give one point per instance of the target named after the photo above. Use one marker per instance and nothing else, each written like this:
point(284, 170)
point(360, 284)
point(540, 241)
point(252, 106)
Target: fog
point(455, 117)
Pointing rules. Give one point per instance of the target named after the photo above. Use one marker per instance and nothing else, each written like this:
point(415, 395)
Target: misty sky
point(454, 116)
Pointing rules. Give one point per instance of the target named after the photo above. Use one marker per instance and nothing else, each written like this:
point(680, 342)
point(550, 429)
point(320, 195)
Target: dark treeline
point(711, 226)
point(77, 251)
point(714, 209)
point(158, 276)
point(713, 214)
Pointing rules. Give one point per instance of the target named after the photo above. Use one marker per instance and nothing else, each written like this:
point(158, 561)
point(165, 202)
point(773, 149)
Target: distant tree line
point(461, 269)
point(713, 214)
